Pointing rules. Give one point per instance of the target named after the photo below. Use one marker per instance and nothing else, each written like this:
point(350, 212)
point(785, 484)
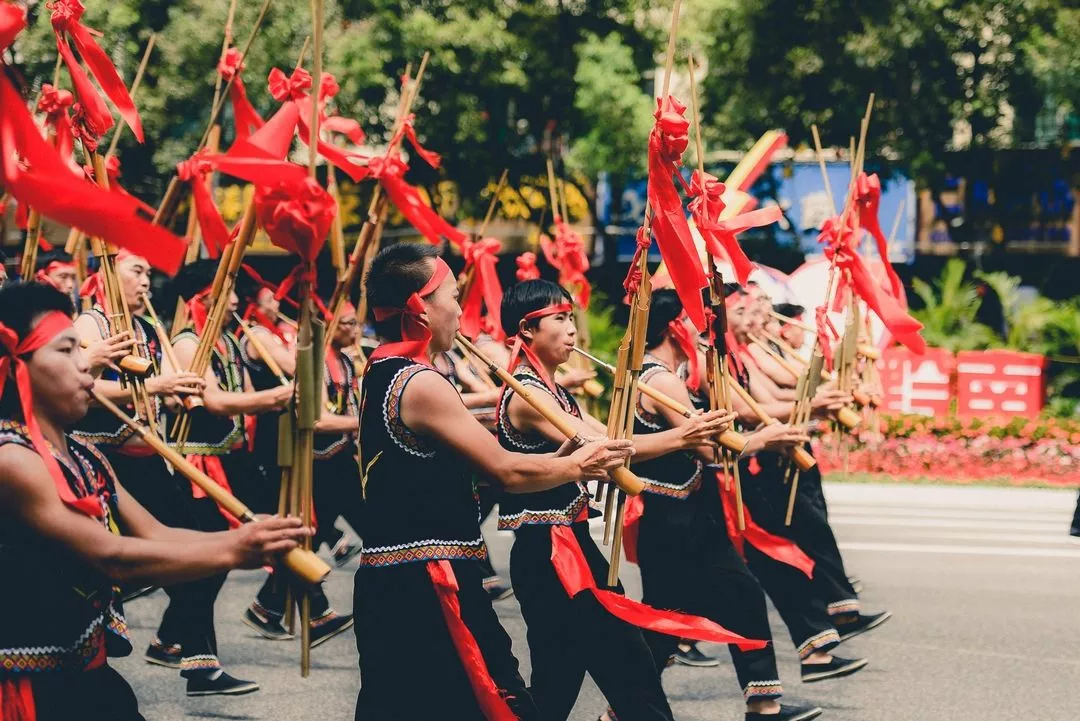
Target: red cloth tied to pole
point(481, 259)
point(868, 203)
point(12, 349)
point(415, 332)
point(632, 281)
point(519, 347)
point(491, 701)
point(296, 216)
point(408, 130)
point(706, 191)
point(35, 175)
point(667, 142)
point(826, 334)
point(245, 118)
point(215, 233)
point(390, 172)
point(687, 342)
point(576, 577)
point(775, 547)
point(66, 17)
point(632, 513)
point(17, 699)
point(328, 88)
point(567, 254)
point(55, 103)
point(526, 267)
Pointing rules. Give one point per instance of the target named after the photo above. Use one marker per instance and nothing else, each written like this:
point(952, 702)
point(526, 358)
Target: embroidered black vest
point(266, 424)
point(673, 475)
point(343, 399)
point(99, 426)
point(558, 506)
point(420, 503)
point(60, 613)
point(213, 435)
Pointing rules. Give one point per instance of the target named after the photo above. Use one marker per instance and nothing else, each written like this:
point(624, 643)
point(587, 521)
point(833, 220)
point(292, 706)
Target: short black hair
point(57, 255)
point(664, 308)
point(194, 278)
point(732, 288)
point(525, 297)
point(398, 271)
point(21, 303)
point(788, 310)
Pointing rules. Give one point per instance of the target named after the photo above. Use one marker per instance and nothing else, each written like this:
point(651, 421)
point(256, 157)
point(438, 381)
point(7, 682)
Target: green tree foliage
point(949, 309)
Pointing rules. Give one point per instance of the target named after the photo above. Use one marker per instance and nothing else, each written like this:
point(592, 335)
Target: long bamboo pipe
point(623, 477)
point(732, 440)
point(168, 350)
point(800, 455)
point(845, 416)
point(261, 349)
point(307, 566)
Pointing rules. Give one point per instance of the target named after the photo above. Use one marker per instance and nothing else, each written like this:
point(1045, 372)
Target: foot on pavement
point(836, 668)
point(329, 625)
point(167, 655)
point(852, 626)
point(218, 683)
point(266, 625)
point(786, 713)
point(688, 654)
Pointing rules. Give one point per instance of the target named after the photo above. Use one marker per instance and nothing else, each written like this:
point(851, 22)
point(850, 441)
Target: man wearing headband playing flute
point(420, 605)
point(186, 638)
point(63, 510)
point(578, 625)
point(57, 268)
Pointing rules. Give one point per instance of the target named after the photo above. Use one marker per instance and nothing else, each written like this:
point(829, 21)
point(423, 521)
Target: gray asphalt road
point(984, 586)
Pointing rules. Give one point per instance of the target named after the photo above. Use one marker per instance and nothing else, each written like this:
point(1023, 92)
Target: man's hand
point(829, 399)
point(107, 351)
point(776, 437)
point(281, 395)
point(181, 383)
point(701, 429)
point(573, 378)
point(597, 458)
point(257, 544)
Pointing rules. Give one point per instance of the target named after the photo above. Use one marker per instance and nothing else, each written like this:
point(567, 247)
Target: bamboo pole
point(134, 88)
point(261, 350)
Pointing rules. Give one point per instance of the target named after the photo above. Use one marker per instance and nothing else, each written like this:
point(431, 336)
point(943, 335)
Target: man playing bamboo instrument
point(768, 494)
point(577, 625)
point(809, 526)
point(421, 610)
point(186, 638)
point(62, 511)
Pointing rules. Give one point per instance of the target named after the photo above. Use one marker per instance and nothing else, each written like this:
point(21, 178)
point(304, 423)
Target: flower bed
point(952, 450)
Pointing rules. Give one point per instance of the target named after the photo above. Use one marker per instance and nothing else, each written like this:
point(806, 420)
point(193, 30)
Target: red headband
point(415, 332)
point(11, 351)
point(687, 342)
point(42, 276)
point(518, 346)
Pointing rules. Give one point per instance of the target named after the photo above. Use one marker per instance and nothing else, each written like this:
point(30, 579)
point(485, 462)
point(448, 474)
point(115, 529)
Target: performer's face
point(736, 314)
point(348, 330)
point(443, 313)
point(63, 278)
point(134, 275)
point(234, 303)
point(793, 335)
point(60, 379)
point(553, 338)
point(267, 303)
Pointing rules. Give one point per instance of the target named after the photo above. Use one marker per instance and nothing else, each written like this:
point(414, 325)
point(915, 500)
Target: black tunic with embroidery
point(60, 614)
point(420, 503)
point(213, 435)
point(343, 399)
point(266, 424)
point(558, 506)
point(99, 426)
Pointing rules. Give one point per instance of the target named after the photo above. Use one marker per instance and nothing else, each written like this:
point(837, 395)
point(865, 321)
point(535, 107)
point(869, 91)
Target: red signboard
point(916, 383)
point(1000, 383)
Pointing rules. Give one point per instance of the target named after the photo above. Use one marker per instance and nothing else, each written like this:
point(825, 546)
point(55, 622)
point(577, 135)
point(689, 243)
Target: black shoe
point(223, 685)
point(1075, 531)
point(836, 668)
point(787, 713)
point(860, 624)
point(343, 551)
point(856, 583)
point(496, 589)
point(266, 626)
point(694, 656)
point(330, 625)
point(138, 593)
point(160, 654)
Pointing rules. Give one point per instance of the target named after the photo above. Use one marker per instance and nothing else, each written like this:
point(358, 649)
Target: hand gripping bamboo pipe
point(261, 349)
point(732, 440)
point(307, 566)
point(802, 458)
point(623, 477)
point(845, 416)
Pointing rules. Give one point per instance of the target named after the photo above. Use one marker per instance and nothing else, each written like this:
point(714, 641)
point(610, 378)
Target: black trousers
point(271, 596)
point(336, 492)
point(571, 636)
point(1076, 517)
point(98, 695)
point(409, 666)
point(189, 619)
point(689, 564)
point(796, 597)
point(488, 498)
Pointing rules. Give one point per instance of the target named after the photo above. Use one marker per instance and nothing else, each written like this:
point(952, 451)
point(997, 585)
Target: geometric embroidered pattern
point(550, 517)
point(680, 491)
point(423, 551)
point(760, 690)
point(203, 662)
point(400, 433)
point(818, 642)
point(52, 658)
point(850, 605)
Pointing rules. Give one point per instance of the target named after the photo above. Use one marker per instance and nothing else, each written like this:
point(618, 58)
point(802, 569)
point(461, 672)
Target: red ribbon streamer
point(687, 342)
point(826, 334)
point(567, 255)
point(868, 203)
point(36, 175)
point(245, 118)
point(667, 142)
point(775, 547)
point(488, 696)
point(17, 699)
point(634, 510)
point(576, 577)
point(12, 349)
point(215, 233)
point(415, 332)
point(390, 173)
point(66, 16)
point(55, 103)
point(212, 467)
point(481, 259)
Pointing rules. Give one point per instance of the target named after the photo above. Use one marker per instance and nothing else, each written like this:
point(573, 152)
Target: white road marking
point(963, 550)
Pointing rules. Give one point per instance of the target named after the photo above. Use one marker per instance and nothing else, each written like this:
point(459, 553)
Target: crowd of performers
point(441, 437)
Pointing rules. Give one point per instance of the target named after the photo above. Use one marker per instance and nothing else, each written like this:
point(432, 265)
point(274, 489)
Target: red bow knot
point(66, 14)
point(383, 168)
point(328, 87)
point(86, 127)
point(195, 167)
point(54, 102)
point(482, 257)
point(231, 64)
point(633, 276)
point(671, 131)
point(289, 87)
point(526, 267)
point(868, 203)
point(297, 217)
point(707, 195)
